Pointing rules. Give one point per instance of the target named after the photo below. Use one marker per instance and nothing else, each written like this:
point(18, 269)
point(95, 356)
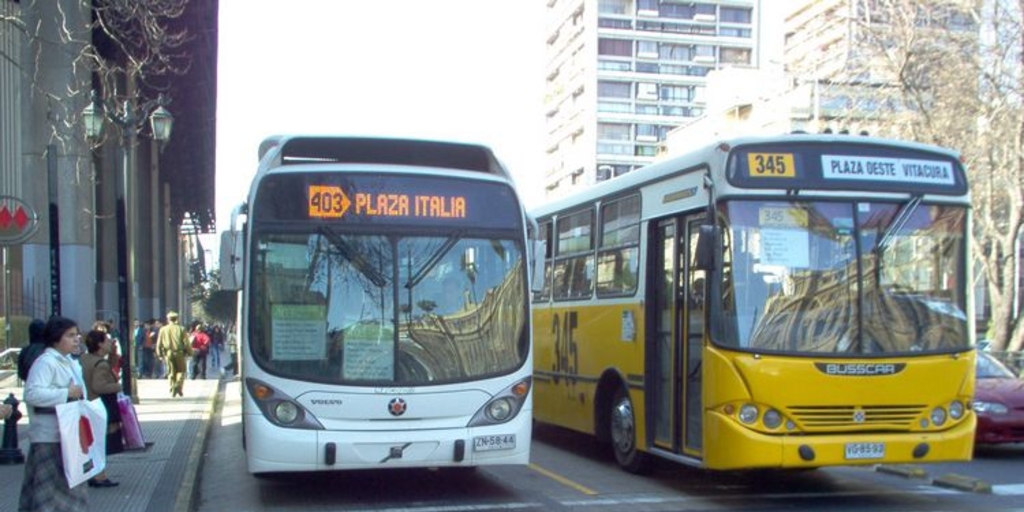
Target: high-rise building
point(622, 73)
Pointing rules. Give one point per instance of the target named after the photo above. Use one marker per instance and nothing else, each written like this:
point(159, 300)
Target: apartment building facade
point(621, 74)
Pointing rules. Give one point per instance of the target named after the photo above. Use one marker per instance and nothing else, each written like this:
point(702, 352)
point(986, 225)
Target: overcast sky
point(469, 70)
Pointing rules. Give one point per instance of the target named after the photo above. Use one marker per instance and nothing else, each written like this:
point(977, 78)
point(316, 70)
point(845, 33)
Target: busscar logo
point(860, 369)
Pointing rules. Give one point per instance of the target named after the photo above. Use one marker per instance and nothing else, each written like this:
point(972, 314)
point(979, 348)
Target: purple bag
point(130, 429)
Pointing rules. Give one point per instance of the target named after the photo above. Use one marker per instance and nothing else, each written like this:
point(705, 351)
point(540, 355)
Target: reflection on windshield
point(810, 277)
point(414, 310)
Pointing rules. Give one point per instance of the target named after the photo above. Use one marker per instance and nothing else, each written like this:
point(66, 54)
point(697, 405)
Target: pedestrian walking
point(54, 378)
point(173, 347)
point(216, 345)
point(200, 349)
point(100, 381)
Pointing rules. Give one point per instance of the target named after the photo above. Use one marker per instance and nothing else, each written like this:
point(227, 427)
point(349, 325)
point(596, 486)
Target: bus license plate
point(865, 450)
point(490, 443)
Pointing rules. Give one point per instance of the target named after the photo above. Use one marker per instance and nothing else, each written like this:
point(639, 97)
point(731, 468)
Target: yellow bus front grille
point(855, 416)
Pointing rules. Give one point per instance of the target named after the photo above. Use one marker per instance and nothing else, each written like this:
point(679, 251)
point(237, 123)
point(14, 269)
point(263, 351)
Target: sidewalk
point(160, 479)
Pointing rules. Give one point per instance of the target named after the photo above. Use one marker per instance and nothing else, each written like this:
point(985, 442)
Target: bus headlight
point(748, 414)
point(286, 412)
point(503, 406)
point(772, 419)
point(501, 409)
point(938, 416)
point(279, 408)
point(956, 410)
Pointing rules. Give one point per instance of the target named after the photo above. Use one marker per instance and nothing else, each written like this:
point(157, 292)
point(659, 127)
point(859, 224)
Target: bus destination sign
point(332, 202)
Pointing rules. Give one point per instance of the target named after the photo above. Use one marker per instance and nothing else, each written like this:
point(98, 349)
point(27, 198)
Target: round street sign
point(18, 221)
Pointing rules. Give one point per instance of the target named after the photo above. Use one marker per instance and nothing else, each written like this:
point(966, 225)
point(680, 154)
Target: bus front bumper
point(728, 445)
point(273, 449)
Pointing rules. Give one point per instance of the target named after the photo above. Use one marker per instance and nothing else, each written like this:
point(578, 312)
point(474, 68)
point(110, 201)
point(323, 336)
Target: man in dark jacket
point(31, 351)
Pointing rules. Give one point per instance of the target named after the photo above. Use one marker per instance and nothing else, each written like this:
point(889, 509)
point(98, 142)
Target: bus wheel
point(622, 426)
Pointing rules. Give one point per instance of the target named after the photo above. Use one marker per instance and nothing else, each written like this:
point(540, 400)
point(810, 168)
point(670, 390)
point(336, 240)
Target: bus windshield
point(399, 309)
point(843, 278)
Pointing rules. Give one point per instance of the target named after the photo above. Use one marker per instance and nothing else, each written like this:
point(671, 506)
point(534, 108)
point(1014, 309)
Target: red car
point(998, 402)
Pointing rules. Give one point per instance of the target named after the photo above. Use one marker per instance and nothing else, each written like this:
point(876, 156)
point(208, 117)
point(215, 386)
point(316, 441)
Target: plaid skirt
point(45, 487)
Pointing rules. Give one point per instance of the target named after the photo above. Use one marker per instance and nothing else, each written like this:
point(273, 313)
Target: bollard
point(10, 453)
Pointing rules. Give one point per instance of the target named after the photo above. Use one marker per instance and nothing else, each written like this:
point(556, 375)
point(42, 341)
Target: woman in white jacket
point(55, 378)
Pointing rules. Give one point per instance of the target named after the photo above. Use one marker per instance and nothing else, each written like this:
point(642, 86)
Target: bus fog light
point(748, 414)
point(956, 410)
point(772, 419)
point(938, 416)
point(500, 410)
point(286, 412)
point(790, 425)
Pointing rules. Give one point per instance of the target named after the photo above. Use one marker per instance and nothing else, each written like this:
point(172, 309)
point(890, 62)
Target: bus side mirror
point(539, 249)
point(231, 249)
point(707, 240)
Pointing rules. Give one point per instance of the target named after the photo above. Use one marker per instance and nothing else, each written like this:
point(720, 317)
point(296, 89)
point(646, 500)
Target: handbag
point(83, 439)
point(131, 431)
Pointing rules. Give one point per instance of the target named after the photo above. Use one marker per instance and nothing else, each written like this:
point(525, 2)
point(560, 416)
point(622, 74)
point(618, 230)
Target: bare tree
point(127, 45)
point(950, 73)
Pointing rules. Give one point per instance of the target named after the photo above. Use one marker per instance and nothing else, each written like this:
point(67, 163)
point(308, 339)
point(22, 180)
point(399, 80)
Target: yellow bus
point(795, 301)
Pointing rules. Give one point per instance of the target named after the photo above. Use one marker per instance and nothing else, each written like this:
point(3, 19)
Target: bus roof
point(681, 162)
point(282, 150)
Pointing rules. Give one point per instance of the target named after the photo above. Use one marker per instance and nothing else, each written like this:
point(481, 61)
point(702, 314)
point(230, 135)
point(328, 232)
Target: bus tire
point(622, 433)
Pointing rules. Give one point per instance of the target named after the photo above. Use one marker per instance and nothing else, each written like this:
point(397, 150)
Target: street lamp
point(130, 120)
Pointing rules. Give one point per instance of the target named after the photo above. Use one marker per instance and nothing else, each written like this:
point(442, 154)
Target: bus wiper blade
point(357, 258)
point(433, 260)
point(902, 216)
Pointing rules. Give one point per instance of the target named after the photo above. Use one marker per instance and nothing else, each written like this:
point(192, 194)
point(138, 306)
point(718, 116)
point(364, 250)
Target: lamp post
point(130, 120)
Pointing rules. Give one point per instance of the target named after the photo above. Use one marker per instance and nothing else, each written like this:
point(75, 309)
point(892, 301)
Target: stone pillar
point(51, 116)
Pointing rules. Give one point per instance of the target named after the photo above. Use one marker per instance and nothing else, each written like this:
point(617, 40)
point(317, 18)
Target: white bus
point(384, 309)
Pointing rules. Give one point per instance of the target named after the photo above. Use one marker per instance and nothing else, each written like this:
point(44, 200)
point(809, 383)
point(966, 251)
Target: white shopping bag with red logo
point(83, 439)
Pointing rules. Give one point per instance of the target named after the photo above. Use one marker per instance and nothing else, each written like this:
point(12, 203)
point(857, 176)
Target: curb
point(188, 492)
point(904, 470)
point(963, 483)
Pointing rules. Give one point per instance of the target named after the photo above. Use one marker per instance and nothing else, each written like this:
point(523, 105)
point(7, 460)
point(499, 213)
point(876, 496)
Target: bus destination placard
point(332, 202)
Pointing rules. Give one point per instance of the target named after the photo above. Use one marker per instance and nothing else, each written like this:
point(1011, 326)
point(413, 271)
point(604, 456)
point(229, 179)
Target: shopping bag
point(131, 431)
point(83, 439)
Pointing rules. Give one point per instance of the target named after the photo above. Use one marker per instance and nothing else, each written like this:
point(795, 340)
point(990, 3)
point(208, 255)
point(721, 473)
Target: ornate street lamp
point(130, 120)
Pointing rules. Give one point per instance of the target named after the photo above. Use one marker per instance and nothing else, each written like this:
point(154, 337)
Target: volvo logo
point(396, 407)
point(860, 369)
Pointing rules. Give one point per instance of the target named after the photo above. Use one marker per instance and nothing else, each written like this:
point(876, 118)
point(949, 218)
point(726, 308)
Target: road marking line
point(1008, 489)
point(563, 480)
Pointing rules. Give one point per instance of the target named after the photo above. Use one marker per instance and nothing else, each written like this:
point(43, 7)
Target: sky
point(465, 70)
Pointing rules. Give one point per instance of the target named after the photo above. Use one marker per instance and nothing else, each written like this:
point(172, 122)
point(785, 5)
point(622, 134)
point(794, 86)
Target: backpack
point(27, 356)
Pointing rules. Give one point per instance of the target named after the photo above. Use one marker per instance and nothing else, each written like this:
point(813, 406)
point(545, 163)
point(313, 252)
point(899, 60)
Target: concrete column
point(51, 116)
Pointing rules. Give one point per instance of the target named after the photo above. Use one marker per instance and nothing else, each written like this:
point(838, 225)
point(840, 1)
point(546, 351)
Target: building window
point(613, 131)
point(646, 133)
point(675, 93)
point(616, 47)
point(735, 15)
point(668, 51)
point(647, 49)
point(608, 148)
point(735, 55)
point(647, 5)
point(613, 6)
point(614, 89)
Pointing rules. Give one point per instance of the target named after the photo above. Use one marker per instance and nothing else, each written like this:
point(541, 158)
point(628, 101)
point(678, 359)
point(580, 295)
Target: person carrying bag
point(53, 379)
point(100, 381)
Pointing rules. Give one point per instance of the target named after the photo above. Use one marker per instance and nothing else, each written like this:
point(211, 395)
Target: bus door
point(674, 349)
